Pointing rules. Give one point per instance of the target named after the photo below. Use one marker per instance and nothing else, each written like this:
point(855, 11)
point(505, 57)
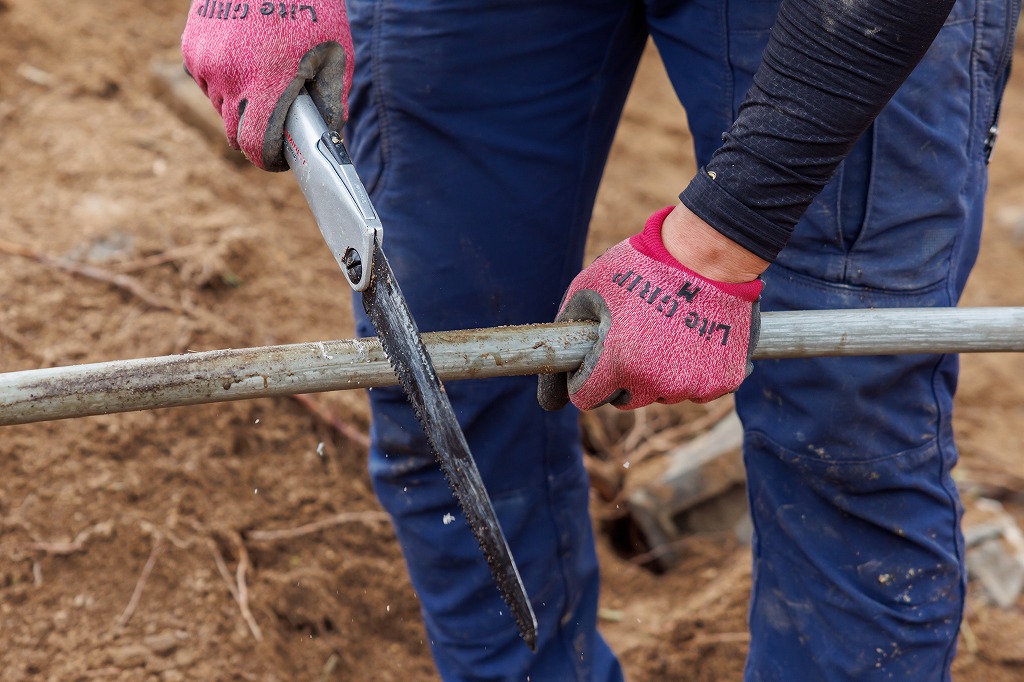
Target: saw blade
point(401, 341)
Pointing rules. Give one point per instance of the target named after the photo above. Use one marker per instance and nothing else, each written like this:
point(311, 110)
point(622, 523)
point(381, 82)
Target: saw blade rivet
point(353, 265)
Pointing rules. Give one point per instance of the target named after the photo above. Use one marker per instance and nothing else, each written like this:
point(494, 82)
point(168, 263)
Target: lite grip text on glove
point(666, 334)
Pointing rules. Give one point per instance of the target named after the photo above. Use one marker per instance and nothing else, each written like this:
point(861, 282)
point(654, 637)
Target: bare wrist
point(706, 251)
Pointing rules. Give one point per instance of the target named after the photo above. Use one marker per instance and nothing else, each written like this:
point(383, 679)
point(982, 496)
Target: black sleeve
point(828, 70)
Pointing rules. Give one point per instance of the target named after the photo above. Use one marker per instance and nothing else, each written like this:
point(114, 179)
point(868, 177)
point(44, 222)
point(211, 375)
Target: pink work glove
point(666, 334)
point(252, 59)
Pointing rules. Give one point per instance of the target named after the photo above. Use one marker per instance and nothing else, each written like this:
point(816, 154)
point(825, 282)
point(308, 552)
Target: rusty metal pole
point(244, 373)
point(222, 375)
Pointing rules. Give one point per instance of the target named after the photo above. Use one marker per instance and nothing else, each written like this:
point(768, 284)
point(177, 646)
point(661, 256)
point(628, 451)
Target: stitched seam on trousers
point(731, 108)
point(383, 124)
point(980, 16)
point(755, 585)
point(944, 472)
point(840, 179)
point(974, 139)
point(955, 252)
point(827, 285)
point(869, 196)
point(798, 457)
point(571, 266)
point(565, 635)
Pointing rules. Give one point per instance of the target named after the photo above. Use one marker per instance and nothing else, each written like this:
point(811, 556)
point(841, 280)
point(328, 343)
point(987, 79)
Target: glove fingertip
point(553, 391)
point(325, 67)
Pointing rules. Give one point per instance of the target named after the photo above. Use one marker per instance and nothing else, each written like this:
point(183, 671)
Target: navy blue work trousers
point(481, 129)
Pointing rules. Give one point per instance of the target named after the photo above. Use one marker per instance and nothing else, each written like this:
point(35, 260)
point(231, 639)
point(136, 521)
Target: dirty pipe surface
point(238, 374)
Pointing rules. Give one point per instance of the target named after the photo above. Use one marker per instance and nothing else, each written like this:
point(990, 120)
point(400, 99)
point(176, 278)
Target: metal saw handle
point(322, 167)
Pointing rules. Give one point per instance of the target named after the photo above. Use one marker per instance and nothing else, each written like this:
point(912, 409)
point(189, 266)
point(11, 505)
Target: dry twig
point(664, 441)
point(606, 478)
point(123, 282)
point(140, 584)
point(119, 281)
point(22, 344)
point(970, 639)
point(318, 410)
point(168, 256)
point(316, 526)
point(989, 481)
point(76, 545)
point(678, 546)
point(243, 590)
point(329, 666)
point(641, 430)
point(237, 586)
point(706, 601)
point(598, 434)
point(222, 568)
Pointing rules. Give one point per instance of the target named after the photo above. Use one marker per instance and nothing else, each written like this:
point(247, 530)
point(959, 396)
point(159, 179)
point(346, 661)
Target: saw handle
point(340, 204)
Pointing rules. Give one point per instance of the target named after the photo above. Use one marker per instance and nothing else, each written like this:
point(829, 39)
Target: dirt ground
point(138, 546)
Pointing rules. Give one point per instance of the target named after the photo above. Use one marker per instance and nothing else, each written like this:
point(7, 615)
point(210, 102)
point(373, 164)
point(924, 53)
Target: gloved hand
point(666, 334)
point(252, 59)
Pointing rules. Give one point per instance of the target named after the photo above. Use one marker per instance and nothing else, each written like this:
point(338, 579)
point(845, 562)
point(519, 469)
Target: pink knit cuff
point(650, 244)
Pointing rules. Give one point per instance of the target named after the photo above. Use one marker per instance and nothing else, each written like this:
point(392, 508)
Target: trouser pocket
point(904, 211)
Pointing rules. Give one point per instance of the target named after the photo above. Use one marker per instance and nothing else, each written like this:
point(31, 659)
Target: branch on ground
point(317, 526)
point(322, 413)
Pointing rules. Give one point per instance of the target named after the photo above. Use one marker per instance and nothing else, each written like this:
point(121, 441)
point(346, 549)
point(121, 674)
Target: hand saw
point(353, 231)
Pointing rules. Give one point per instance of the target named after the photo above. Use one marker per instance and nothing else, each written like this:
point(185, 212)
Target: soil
point(134, 546)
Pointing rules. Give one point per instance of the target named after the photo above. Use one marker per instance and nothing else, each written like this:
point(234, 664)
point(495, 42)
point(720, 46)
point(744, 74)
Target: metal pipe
point(237, 374)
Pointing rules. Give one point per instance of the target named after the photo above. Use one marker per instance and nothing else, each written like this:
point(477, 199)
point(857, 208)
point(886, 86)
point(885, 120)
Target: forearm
point(828, 70)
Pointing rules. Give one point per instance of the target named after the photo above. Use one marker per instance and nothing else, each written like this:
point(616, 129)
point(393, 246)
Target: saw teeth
point(391, 317)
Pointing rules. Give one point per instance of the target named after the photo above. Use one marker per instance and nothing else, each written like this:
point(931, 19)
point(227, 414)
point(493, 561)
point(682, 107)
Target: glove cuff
point(650, 243)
